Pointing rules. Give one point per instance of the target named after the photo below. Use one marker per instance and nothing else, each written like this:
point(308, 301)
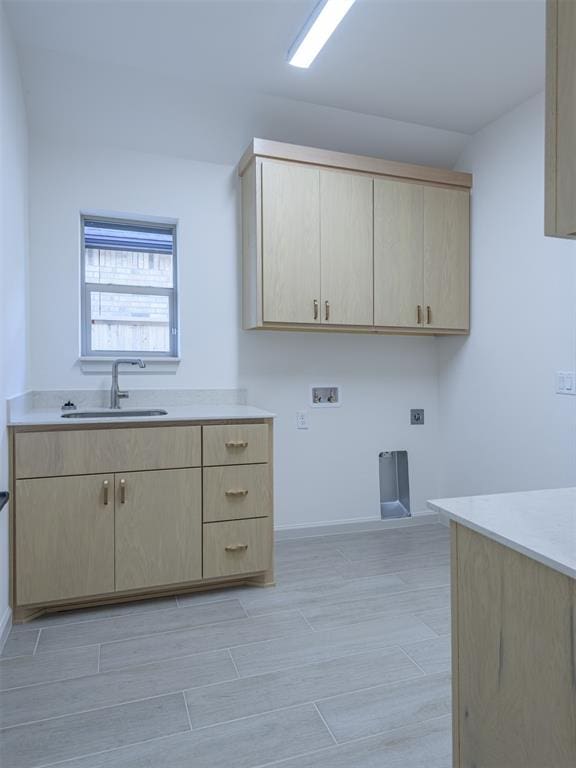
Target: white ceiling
point(453, 65)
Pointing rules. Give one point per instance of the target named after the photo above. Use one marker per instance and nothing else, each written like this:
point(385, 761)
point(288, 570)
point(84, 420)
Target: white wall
point(202, 196)
point(327, 473)
point(13, 264)
point(493, 421)
point(503, 427)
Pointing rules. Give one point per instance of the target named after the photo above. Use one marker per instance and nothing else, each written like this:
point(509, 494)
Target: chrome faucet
point(115, 394)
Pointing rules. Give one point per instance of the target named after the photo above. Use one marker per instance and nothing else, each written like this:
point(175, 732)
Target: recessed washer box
point(326, 396)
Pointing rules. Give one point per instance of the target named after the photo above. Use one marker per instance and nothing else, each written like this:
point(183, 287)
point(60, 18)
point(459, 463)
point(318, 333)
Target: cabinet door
point(561, 118)
point(290, 243)
point(158, 528)
point(398, 253)
point(347, 255)
point(64, 538)
point(446, 258)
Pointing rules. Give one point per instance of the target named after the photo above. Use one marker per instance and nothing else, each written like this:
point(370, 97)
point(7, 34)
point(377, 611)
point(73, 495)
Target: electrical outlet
point(301, 419)
point(416, 415)
point(566, 383)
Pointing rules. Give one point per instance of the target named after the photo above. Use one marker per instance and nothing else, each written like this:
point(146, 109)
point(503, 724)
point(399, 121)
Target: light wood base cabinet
point(83, 537)
point(335, 242)
point(514, 658)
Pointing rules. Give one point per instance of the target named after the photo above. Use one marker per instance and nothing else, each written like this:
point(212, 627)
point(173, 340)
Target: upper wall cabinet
point(560, 219)
point(345, 242)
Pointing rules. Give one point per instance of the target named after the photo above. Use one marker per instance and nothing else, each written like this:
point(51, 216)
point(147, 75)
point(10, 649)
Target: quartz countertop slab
point(199, 412)
point(538, 524)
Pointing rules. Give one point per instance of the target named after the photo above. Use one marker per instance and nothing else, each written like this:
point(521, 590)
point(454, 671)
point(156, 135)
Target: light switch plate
point(566, 382)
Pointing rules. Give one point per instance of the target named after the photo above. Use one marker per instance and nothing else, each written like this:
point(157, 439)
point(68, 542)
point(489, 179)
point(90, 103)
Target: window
point(128, 288)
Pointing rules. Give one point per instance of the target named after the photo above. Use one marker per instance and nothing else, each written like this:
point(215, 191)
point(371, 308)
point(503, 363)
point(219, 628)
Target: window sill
point(154, 365)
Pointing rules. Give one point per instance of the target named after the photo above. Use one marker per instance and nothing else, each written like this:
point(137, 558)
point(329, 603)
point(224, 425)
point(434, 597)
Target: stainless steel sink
point(115, 414)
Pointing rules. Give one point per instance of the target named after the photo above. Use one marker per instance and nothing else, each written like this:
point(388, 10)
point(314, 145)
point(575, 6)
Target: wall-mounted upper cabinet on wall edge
point(560, 189)
point(338, 242)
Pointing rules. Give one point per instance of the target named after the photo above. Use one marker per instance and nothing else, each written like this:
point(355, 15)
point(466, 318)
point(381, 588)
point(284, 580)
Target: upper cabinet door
point(561, 119)
point(290, 243)
point(346, 210)
point(446, 258)
point(398, 253)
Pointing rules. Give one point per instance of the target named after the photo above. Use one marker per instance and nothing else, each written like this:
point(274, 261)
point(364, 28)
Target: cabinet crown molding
point(278, 150)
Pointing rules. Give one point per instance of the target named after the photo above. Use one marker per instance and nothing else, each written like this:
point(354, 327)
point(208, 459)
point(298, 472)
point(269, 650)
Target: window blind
point(124, 237)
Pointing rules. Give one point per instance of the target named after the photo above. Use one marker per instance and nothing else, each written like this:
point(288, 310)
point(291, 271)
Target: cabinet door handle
point(327, 308)
point(419, 315)
point(238, 492)
point(315, 309)
point(106, 485)
point(236, 548)
point(236, 444)
point(122, 491)
point(428, 314)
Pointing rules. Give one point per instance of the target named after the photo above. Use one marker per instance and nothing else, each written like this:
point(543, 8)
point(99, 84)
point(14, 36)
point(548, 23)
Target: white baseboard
point(5, 627)
point(335, 527)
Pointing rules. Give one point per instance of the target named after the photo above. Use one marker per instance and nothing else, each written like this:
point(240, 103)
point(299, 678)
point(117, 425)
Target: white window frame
point(87, 288)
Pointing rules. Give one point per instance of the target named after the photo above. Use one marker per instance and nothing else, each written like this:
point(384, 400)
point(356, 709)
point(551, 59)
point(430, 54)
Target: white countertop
point(197, 412)
point(539, 524)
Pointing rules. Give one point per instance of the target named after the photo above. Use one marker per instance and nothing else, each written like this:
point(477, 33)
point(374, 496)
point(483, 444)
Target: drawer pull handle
point(327, 308)
point(236, 444)
point(429, 315)
point(236, 548)
point(122, 491)
point(315, 309)
point(418, 315)
point(238, 492)
point(106, 485)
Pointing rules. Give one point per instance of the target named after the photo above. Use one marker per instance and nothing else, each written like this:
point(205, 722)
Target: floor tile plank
point(296, 650)
point(137, 624)
point(432, 655)
point(425, 745)
point(45, 667)
point(37, 702)
point(244, 743)
point(49, 741)
point(254, 695)
point(335, 614)
point(20, 643)
point(372, 711)
point(198, 639)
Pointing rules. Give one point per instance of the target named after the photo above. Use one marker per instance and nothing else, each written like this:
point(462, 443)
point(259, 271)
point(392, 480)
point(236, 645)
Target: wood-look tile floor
point(344, 664)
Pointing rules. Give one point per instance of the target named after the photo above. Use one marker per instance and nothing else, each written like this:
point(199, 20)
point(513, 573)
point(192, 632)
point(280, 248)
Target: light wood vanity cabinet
point(344, 242)
point(179, 507)
point(560, 189)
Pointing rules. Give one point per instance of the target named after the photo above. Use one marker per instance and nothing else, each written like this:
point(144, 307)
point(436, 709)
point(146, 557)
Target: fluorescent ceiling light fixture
point(317, 30)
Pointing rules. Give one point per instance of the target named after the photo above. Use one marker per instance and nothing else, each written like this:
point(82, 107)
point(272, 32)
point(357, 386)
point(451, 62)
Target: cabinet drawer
point(235, 444)
point(93, 451)
point(237, 547)
point(233, 493)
